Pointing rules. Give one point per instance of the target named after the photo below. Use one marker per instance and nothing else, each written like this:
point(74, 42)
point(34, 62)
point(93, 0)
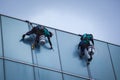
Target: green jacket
point(46, 32)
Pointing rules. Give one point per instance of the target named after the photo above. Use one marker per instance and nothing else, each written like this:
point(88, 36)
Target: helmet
point(40, 27)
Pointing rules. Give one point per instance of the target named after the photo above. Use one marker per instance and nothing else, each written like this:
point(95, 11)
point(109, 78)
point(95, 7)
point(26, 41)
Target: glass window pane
point(1, 70)
point(0, 47)
point(67, 77)
point(48, 57)
point(115, 54)
point(68, 45)
point(17, 71)
point(42, 74)
point(101, 67)
point(12, 34)
point(0, 39)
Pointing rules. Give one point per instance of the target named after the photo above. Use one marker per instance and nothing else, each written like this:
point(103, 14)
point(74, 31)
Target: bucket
point(42, 39)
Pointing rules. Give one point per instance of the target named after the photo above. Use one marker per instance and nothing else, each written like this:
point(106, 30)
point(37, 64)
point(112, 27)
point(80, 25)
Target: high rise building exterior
point(19, 62)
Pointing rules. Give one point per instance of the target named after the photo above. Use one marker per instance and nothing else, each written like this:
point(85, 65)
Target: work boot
point(91, 53)
point(90, 58)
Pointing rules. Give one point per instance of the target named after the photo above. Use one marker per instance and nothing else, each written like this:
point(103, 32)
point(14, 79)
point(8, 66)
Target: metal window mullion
point(32, 54)
point(59, 54)
point(112, 62)
point(2, 48)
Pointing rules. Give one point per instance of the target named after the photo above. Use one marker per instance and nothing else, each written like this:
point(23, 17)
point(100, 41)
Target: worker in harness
point(87, 46)
point(41, 33)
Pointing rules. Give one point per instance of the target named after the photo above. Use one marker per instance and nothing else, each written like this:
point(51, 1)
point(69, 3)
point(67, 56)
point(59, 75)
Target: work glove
point(51, 47)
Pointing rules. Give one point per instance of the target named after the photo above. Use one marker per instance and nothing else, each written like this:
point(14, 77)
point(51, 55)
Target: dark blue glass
point(67, 77)
point(68, 45)
point(13, 46)
point(101, 67)
point(1, 70)
point(115, 55)
point(47, 57)
point(17, 71)
point(42, 74)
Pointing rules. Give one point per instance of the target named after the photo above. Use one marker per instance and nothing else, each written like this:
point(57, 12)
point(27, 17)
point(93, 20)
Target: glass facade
point(47, 57)
point(42, 74)
point(101, 62)
point(69, 56)
point(115, 55)
point(0, 39)
point(17, 71)
point(13, 46)
point(67, 77)
point(20, 62)
point(1, 70)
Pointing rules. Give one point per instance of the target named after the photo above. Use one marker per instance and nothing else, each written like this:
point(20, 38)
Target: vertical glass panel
point(12, 34)
point(67, 77)
point(0, 46)
point(68, 45)
point(42, 74)
point(16, 71)
point(1, 70)
point(101, 67)
point(115, 54)
point(0, 39)
point(48, 57)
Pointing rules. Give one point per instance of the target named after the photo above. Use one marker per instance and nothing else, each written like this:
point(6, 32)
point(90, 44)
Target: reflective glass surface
point(67, 77)
point(115, 54)
point(0, 40)
point(101, 67)
point(42, 74)
point(16, 71)
point(13, 46)
point(64, 44)
point(1, 70)
point(47, 57)
point(68, 45)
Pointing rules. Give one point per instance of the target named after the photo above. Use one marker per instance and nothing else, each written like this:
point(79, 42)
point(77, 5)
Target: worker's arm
point(92, 41)
point(50, 43)
point(28, 33)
